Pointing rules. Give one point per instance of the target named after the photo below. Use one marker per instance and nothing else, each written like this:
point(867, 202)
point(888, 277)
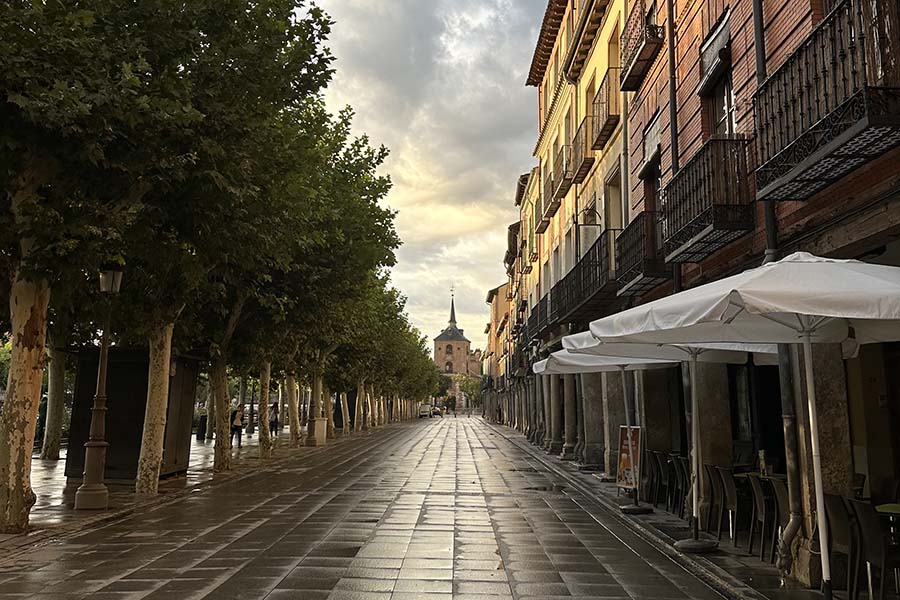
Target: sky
point(441, 83)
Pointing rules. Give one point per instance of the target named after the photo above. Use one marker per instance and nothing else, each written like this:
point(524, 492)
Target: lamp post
point(93, 494)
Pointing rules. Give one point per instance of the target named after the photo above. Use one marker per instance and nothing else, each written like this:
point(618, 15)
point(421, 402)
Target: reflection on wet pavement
point(426, 510)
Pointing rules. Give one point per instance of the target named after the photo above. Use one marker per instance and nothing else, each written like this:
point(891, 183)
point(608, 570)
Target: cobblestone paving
point(438, 509)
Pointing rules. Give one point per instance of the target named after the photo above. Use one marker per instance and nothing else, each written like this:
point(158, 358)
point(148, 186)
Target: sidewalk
point(54, 513)
point(731, 571)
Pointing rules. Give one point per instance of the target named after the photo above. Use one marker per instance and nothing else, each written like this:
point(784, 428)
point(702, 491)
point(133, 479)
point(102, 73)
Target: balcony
point(832, 107)
point(606, 108)
point(532, 324)
point(708, 204)
point(589, 289)
point(590, 17)
point(582, 153)
point(641, 42)
point(549, 205)
point(562, 174)
point(639, 266)
point(542, 316)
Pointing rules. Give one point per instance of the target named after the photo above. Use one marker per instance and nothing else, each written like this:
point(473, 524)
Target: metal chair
point(841, 538)
point(759, 514)
point(729, 503)
point(715, 494)
point(875, 547)
point(782, 512)
point(662, 483)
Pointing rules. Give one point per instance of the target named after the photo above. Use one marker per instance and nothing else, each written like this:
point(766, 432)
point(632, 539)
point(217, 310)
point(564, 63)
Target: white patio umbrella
point(564, 362)
point(801, 299)
point(733, 353)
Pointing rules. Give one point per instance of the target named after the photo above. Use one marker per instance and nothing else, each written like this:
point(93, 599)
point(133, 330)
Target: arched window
point(448, 349)
point(448, 368)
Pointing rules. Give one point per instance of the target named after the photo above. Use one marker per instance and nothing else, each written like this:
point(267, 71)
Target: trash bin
point(201, 428)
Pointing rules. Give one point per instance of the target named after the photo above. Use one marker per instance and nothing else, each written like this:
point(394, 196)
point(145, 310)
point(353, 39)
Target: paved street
point(436, 509)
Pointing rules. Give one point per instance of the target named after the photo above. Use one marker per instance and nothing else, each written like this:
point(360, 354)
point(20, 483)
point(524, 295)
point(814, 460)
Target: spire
point(452, 309)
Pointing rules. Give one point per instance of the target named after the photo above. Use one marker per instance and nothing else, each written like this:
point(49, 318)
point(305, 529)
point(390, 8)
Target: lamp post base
point(692, 546)
point(92, 496)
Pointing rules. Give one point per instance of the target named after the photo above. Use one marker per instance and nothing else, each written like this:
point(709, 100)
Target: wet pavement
point(436, 509)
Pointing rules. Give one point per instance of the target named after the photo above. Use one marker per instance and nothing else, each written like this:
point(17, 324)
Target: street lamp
point(93, 494)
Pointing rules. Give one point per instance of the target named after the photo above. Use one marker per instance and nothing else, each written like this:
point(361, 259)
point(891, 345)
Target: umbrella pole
point(636, 508)
point(695, 545)
point(817, 466)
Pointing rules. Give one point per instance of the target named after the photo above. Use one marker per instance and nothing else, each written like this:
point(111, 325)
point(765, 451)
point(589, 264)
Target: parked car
point(425, 411)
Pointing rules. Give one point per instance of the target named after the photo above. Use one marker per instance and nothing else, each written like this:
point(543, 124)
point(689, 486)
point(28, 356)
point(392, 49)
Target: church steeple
point(452, 310)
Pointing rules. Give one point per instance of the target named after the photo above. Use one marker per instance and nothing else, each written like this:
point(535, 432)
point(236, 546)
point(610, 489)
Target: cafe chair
point(841, 538)
point(729, 503)
point(715, 505)
point(682, 471)
point(662, 480)
point(650, 477)
point(875, 547)
point(759, 515)
point(782, 512)
point(859, 484)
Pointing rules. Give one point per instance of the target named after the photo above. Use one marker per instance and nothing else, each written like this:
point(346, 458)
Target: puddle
point(553, 488)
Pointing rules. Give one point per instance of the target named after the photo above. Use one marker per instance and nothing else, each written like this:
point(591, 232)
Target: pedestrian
point(273, 418)
point(237, 425)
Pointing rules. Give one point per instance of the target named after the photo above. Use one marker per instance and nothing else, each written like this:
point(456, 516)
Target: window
point(721, 106)
point(448, 368)
point(448, 349)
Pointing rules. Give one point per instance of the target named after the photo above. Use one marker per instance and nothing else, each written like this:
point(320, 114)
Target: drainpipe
point(673, 119)
point(785, 558)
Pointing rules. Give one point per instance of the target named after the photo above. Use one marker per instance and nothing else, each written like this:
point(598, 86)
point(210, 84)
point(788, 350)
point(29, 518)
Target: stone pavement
point(435, 509)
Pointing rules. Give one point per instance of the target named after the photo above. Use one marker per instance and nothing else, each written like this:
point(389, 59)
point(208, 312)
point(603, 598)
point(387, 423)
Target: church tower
point(451, 347)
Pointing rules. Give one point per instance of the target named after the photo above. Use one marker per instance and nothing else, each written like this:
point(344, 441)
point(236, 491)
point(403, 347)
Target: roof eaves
point(553, 17)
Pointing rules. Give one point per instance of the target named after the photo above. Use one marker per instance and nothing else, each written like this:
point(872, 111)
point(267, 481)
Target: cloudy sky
point(441, 83)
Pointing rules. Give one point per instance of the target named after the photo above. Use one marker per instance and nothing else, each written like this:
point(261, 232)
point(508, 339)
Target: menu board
point(627, 475)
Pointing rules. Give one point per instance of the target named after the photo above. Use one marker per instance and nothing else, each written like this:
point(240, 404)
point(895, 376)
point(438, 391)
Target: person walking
point(237, 425)
point(273, 418)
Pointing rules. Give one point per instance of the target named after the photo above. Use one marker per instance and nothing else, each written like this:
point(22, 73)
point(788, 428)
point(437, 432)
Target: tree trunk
point(345, 413)
point(251, 419)
point(359, 413)
point(265, 436)
point(219, 380)
point(293, 409)
point(210, 408)
point(153, 440)
point(28, 302)
point(315, 403)
point(329, 414)
point(56, 404)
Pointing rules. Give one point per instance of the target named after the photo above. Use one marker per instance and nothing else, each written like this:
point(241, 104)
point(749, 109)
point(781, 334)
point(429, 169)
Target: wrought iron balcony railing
point(833, 106)
point(542, 322)
point(642, 40)
point(639, 266)
point(590, 287)
point(606, 108)
point(563, 167)
point(549, 204)
point(583, 154)
point(708, 203)
point(533, 324)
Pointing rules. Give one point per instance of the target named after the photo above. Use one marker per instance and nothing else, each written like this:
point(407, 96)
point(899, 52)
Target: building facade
point(681, 141)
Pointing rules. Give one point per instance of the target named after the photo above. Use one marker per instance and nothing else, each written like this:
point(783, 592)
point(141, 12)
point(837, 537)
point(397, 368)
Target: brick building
point(680, 141)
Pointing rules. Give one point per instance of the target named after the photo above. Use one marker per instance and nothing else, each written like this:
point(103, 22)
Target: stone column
point(556, 438)
point(571, 418)
point(714, 422)
point(835, 444)
point(579, 420)
point(592, 399)
point(613, 417)
point(548, 413)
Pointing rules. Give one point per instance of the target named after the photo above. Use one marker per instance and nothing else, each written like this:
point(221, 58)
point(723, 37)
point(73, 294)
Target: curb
point(708, 572)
